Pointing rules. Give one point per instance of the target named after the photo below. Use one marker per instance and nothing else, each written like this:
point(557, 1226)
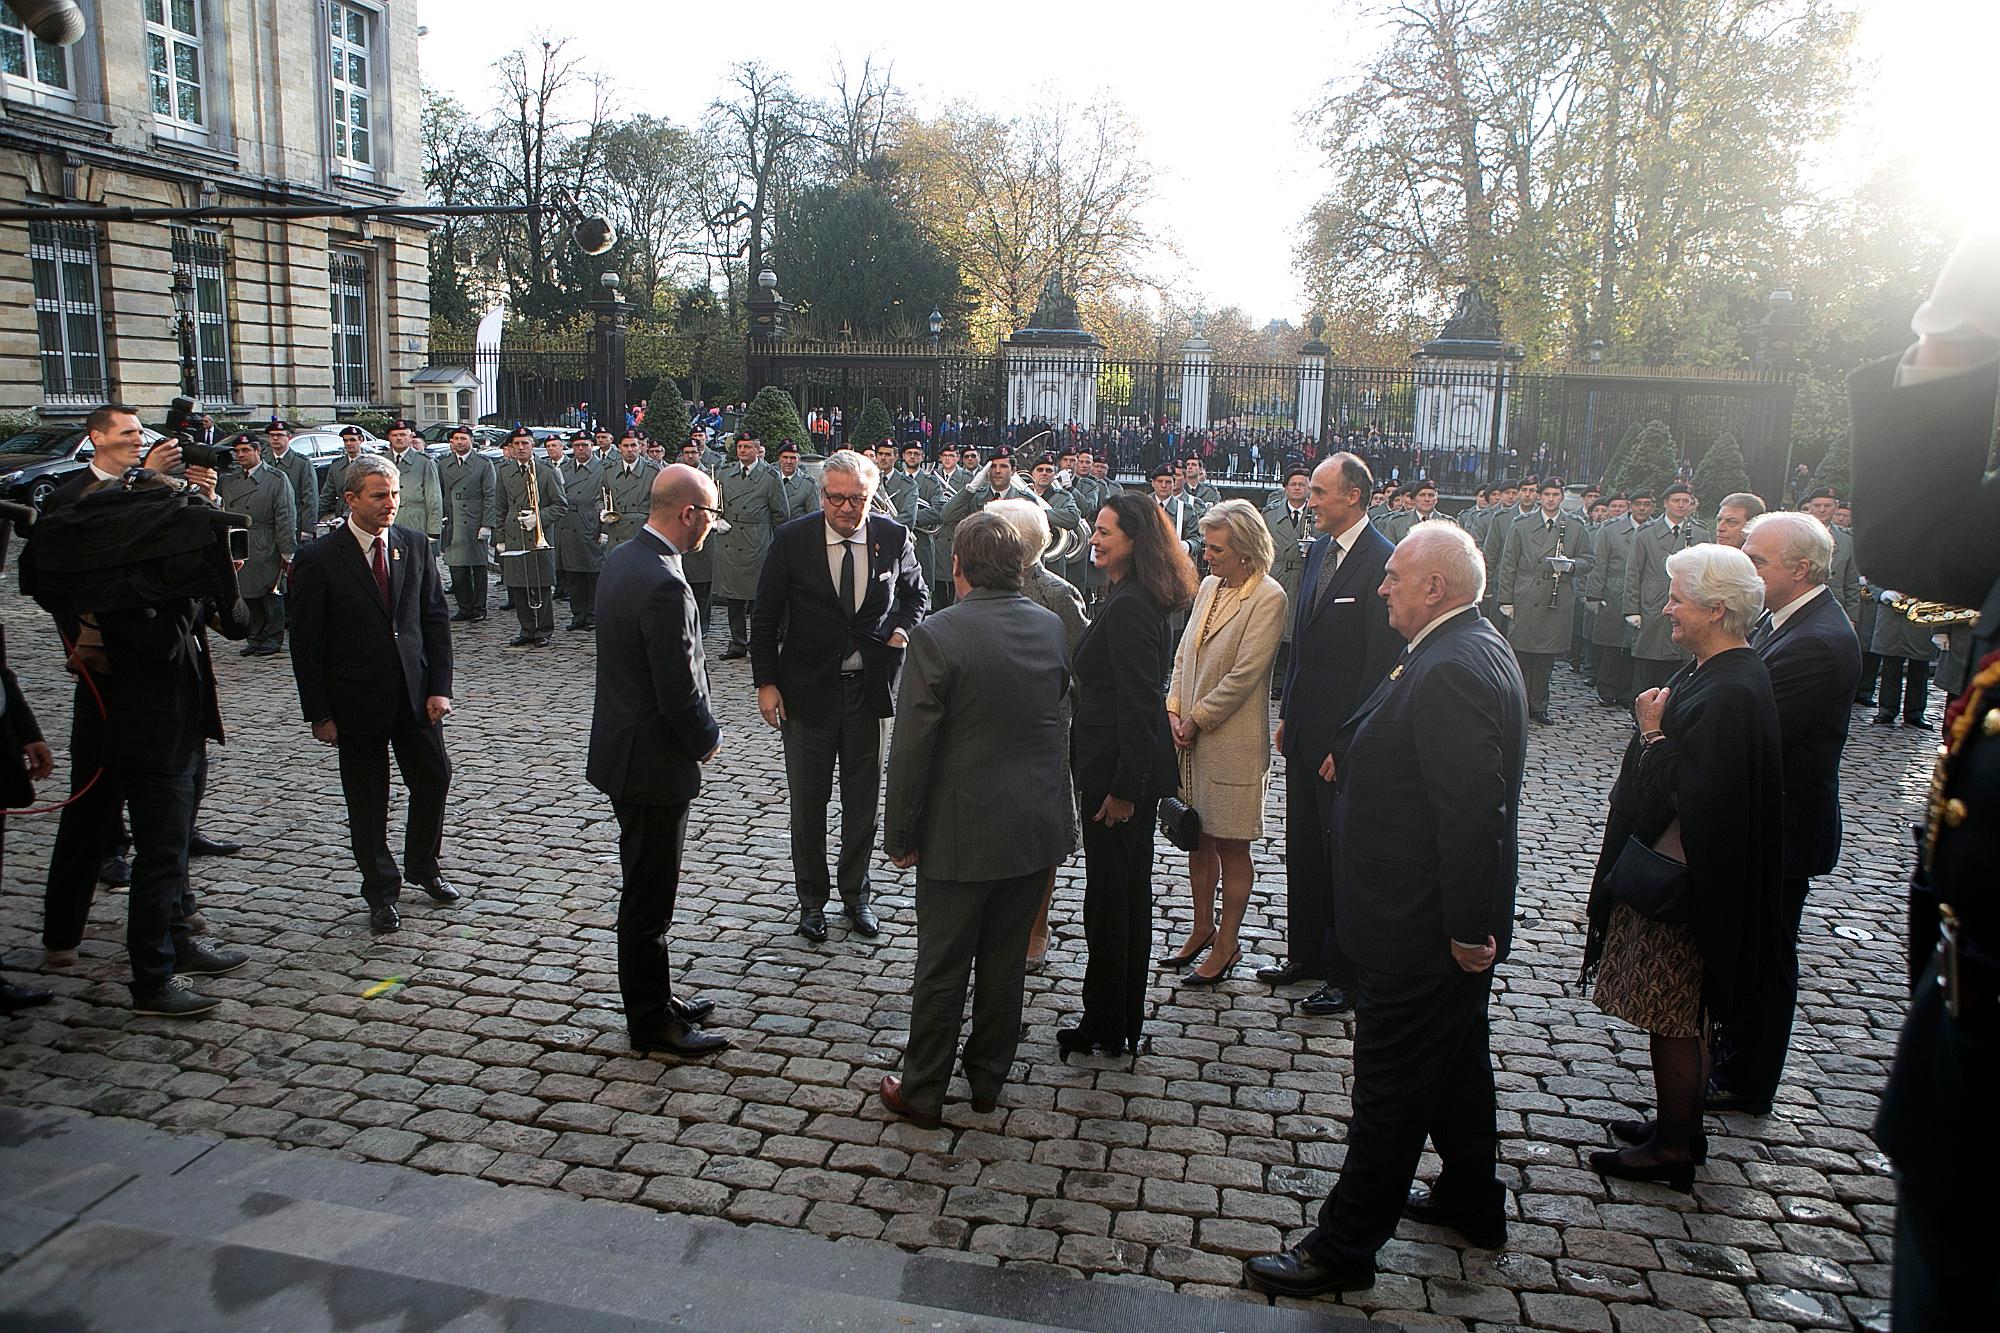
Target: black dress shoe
point(812, 924)
point(1328, 999)
point(692, 1011)
point(14, 998)
point(1541, 719)
point(203, 845)
point(1071, 1040)
point(460, 615)
point(1294, 1272)
point(1284, 974)
point(1880, 721)
point(1485, 1233)
point(1675, 1175)
point(891, 1092)
point(543, 641)
point(383, 918)
point(732, 654)
point(199, 958)
point(864, 922)
point(1641, 1131)
point(521, 641)
point(1721, 1101)
point(115, 871)
point(439, 891)
point(678, 1037)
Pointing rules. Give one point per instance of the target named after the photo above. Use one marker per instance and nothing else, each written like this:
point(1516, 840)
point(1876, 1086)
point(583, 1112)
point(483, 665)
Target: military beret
point(582, 436)
point(278, 423)
point(1556, 482)
point(459, 429)
point(1163, 470)
point(1050, 459)
point(400, 424)
point(1425, 485)
point(786, 447)
point(1642, 494)
point(1005, 451)
point(346, 431)
point(1823, 493)
point(1291, 472)
point(1678, 488)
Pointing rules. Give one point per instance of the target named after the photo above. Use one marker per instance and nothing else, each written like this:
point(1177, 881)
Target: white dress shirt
point(1793, 607)
point(835, 544)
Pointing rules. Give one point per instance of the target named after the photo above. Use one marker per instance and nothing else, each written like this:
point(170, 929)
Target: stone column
point(1196, 354)
point(1309, 409)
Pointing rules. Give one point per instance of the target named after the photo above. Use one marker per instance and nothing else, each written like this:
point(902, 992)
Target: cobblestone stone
point(500, 1053)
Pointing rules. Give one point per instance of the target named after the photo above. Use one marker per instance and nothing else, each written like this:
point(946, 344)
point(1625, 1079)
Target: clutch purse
point(1654, 886)
point(1180, 823)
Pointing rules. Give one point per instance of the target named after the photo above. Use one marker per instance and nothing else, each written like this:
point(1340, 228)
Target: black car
point(39, 459)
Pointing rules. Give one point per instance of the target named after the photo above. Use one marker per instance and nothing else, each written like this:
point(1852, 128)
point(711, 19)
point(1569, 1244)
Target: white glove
point(604, 539)
point(1965, 302)
point(526, 520)
point(1943, 642)
point(1633, 621)
point(1507, 611)
point(1887, 596)
point(485, 534)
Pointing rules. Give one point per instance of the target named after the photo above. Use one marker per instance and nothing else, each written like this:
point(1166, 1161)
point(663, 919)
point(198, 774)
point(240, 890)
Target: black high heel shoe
point(1641, 1131)
point(1675, 1175)
point(1070, 1041)
point(1180, 960)
point(1195, 977)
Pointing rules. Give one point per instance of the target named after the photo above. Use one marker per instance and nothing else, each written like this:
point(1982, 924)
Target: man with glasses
point(839, 593)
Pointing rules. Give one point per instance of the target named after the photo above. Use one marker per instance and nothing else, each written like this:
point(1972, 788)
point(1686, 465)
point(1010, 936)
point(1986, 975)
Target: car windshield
point(46, 444)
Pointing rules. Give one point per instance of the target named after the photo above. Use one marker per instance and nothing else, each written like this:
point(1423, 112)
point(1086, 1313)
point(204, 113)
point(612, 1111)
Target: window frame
point(352, 379)
point(66, 245)
point(29, 87)
point(339, 92)
point(171, 122)
point(203, 252)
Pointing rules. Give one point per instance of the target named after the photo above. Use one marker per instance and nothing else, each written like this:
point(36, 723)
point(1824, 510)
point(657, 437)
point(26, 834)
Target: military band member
point(332, 507)
point(629, 479)
point(1655, 655)
point(298, 470)
point(797, 487)
point(579, 537)
point(980, 491)
point(1847, 587)
point(968, 467)
point(753, 506)
point(713, 457)
point(423, 498)
point(1061, 512)
point(1519, 502)
point(471, 513)
point(1423, 509)
point(525, 545)
point(1547, 553)
point(1182, 514)
point(698, 565)
point(259, 490)
point(604, 446)
point(1474, 518)
point(1196, 485)
point(1090, 490)
point(1610, 636)
point(1292, 527)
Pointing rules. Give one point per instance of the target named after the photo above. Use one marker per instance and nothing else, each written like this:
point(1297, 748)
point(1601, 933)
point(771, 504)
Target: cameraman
point(152, 670)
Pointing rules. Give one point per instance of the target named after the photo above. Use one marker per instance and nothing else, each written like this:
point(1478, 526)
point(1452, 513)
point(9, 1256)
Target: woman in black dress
point(1701, 784)
point(1122, 757)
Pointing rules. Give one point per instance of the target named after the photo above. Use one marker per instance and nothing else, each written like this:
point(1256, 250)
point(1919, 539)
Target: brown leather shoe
point(892, 1097)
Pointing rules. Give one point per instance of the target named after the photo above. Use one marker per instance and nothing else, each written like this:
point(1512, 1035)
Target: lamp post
point(607, 348)
point(184, 331)
point(937, 366)
point(1593, 356)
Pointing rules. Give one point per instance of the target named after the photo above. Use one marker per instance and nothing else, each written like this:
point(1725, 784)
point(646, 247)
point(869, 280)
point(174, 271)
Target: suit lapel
point(1341, 576)
point(357, 564)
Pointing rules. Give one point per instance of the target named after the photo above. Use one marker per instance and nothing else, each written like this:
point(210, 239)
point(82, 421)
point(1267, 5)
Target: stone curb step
point(110, 1226)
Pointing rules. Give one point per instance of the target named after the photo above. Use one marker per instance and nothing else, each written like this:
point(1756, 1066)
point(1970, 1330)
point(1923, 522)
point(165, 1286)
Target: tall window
point(350, 44)
point(173, 61)
point(198, 253)
point(347, 284)
point(30, 65)
point(68, 316)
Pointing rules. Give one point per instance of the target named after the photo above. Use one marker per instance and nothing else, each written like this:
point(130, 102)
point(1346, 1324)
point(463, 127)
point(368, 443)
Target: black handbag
point(1180, 823)
point(1654, 886)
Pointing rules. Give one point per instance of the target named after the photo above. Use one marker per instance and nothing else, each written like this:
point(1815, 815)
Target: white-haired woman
point(1051, 592)
point(1219, 706)
point(1701, 786)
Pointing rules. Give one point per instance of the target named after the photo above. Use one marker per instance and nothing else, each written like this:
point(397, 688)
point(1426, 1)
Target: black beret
point(278, 423)
point(1005, 451)
point(346, 431)
point(582, 435)
point(1163, 470)
point(1050, 459)
point(1642, 494)
point(400, 424)
point(1678, 488)
point(1823, 493)
point(1291, 472)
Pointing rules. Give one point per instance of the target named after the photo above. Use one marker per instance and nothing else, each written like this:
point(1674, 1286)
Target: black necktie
point(847, 577)
point(1548, 525)
point(1767, 625)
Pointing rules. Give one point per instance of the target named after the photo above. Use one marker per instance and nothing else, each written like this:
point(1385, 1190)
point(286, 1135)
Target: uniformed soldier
point(968, 467)
point(1378, 506)
point(1182, 516)
point(983, 488)
point(1604, 589)
point(604, 446)
point(795, 486)
point(580, 535)
point(934, 492)
point(629, 478)
point(1473, 517)
point(698, 565)
point(1292, 529)
point(423, 499)
point(753, 505)
point(1423, 509)
point(471, 512)
point(1198, 487)
point(1493, 545)
point(332, 501)
point(1061, 511)
point(1547, 553)
point(714, 458)
point(1905, 653)
point(1655, 655)
point(298, 470)
point(1089, 491)
point(258, 490)
point(529, 496)
point(1845, 583)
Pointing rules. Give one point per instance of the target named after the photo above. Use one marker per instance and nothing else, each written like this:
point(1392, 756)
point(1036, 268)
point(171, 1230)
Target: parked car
point(322, 445)
point(481, 435)
point(39, 459)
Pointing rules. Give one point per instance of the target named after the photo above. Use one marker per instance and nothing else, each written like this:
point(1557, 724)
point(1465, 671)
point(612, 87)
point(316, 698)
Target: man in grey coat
point(580, 534)
point(1610, 636)
point(979, 712)
point(471, 509)
point(423, 496)
point(753, 505)
point(259, 490)
point(628, 475)
point(1547, 553)
point(1655, 655)
point(298, 470)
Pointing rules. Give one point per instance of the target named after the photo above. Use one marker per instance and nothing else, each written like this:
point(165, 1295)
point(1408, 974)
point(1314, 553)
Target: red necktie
point(381, 564)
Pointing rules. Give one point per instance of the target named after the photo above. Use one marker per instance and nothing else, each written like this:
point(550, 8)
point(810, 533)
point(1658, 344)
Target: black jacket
point(1341, 648)
point(1815, 665)
point(17, 728)
point(650, 725)
point(1427, 803)
point(356, 660)
point(1119, 741)
point(800, 633)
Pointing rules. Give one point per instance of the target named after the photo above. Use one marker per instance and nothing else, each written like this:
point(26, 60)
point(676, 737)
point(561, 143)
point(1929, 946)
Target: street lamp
point(1593, 351)
point(182, 288)
point(937, 325)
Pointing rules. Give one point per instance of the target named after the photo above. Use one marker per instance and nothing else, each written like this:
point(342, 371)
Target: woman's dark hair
point(1160, 564)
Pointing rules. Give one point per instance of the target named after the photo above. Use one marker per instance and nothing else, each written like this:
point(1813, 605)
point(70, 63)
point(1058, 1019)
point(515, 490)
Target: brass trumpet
point(1932, 615)
point(609, 513)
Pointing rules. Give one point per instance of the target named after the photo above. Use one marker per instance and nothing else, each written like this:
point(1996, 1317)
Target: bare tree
point(548, 142)
point(854, 128)
point(760, 136)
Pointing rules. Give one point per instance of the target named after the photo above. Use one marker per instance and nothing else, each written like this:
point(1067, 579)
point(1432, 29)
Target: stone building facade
point(186, 103)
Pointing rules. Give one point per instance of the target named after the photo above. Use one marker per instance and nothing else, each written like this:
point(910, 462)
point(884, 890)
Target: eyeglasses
point(710, 510)
point(843, 501)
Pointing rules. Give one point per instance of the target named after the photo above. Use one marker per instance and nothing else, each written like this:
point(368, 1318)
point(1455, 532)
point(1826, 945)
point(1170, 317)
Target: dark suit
point(650, 728)
point(1341, 647)
point(1815, 664)
point(1120, 746)
point(1425, 817)
point(369, 668)
point(800, 636)
point(18, 728)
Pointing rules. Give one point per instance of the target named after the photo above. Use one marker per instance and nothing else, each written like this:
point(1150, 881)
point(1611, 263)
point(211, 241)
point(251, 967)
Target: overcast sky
point(1217, 90)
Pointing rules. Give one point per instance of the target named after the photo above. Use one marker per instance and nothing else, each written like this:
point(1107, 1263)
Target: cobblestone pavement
point(500, 1054)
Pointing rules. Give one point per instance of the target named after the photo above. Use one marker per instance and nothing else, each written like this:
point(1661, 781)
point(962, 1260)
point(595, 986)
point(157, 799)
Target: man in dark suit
point(1426, 812)
point(980, 712)
point(839, 593)
point(1809, 645)
point(371, 648)
point(650, 733)
point(25, 759)
point(1341, 646)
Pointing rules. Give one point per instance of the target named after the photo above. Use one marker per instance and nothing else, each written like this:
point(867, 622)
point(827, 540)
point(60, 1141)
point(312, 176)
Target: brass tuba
point(1932, 615)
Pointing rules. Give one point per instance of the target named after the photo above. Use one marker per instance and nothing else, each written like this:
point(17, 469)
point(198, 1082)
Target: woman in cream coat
point(1219, 705)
